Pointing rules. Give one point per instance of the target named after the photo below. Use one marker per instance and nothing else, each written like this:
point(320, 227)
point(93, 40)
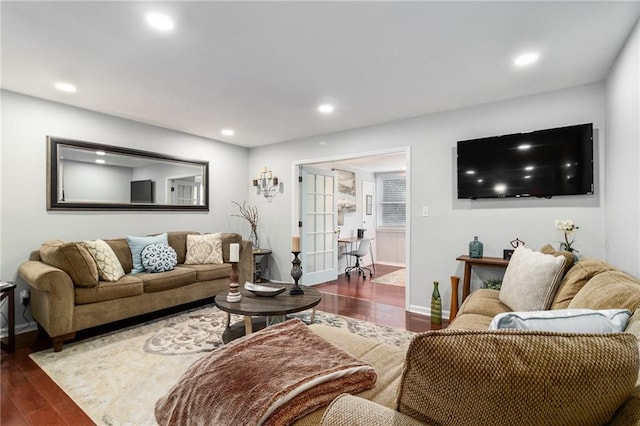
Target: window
point(392, 190)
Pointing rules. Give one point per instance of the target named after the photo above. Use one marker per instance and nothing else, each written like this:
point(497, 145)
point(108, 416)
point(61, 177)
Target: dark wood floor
point(30, 397)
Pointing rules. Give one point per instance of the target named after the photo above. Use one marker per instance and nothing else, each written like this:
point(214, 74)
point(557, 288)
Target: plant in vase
point(567, 227)
point(250, 214)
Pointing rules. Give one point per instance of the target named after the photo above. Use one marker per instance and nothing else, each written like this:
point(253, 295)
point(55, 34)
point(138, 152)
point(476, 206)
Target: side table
point(482, 261)
point(261, 264)
point(7, 291)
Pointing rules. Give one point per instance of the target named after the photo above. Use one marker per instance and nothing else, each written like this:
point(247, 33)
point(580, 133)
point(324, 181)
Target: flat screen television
point(142, 191)
point(543, 163)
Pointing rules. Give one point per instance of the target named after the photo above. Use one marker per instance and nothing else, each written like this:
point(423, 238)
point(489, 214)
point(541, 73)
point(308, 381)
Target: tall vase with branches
point(250, 214)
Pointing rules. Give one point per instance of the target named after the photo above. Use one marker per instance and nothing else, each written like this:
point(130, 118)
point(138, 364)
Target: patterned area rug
point(116, 378)
point(396, 278)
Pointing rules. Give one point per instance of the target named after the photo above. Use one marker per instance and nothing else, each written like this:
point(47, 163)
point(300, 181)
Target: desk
point(7, 291)
point(483, 261)
point(350, 241)
point(261, 273)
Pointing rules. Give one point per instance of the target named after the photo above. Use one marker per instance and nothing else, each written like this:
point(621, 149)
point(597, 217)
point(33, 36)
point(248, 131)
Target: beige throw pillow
point(109, 267)
point(517, 377)
point(531, 280)
point(203, 249)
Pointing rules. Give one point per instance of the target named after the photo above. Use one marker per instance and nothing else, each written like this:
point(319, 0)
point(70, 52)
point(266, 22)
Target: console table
point(482, 261)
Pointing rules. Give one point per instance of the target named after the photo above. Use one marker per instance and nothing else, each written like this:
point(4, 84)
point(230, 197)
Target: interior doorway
point(365, 167)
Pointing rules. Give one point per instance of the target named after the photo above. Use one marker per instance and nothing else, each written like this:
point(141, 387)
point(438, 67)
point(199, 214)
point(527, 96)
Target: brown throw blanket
point(271, 377)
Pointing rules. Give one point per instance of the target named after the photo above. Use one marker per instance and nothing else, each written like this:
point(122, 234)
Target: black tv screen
point(543, 163)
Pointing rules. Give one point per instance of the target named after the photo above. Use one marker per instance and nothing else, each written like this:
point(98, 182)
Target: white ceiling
point(262, 68)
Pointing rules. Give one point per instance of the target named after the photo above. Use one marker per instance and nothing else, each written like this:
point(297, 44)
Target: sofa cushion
point(629, 413)
point(569, 257)
point(470, 322)
point(178, 240)
point(565, 320)
point(72, 258)
point(204, 249)
point(611, 289)
point(126, 286)
point(136, 244)
point(120, 247)
point(485, 302)
point(576, 278)
point(160, 281)
point(517, 377)
point(210, 272)
point(109, 268)
point(531, 280)
point(159, 258)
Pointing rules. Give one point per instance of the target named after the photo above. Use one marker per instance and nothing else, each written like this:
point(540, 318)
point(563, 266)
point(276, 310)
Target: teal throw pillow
point(159, 258)
point(137, 244)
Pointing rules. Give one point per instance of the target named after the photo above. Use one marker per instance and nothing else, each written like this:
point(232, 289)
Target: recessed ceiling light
point(100, 161)
point(101, 153)
point(228, 132)
point(159, 21)
point(524, 147)
point(526, 59)
point(65, 87)
point(325, 108)
point(470, 172)
point(529, 168)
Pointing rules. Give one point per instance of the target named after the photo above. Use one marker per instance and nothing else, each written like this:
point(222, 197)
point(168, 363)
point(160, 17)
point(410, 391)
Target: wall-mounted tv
point(543, 163)
point(142, 191)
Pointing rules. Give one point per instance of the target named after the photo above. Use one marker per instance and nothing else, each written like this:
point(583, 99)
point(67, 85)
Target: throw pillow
point(205, 248)
point(565, 320)
point(109, 267)
point(136, 244)
point(72, 258)
point(517, 377)
point(159, 258)
point(531, 280)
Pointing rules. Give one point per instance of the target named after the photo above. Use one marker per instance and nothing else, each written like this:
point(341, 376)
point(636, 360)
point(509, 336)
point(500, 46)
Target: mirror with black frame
point(89, 176)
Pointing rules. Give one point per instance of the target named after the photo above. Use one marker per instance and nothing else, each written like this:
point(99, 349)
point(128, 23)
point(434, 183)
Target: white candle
point(295, 243)
point(234, 252)
point(264, 169)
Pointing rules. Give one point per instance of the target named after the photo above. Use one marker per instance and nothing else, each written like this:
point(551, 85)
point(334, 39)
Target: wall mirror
point(89, 176)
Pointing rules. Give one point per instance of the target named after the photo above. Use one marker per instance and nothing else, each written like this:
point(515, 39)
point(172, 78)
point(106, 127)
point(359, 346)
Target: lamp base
point(296, 290)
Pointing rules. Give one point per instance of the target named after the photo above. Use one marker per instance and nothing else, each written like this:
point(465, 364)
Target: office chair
point(363, 250)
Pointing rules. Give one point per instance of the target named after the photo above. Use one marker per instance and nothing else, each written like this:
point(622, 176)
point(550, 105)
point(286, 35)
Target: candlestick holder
point(296, 273)
point(234, 294)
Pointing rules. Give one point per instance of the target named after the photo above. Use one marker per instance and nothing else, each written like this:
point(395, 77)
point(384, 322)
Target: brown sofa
point(63, 302)
point(449, 374)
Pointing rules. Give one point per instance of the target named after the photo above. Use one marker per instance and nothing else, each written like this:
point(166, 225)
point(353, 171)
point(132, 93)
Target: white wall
point(96, 182)
point(26, 223)
point(435, 241)
point(622, 158)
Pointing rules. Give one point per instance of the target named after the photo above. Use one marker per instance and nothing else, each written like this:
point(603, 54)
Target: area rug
point(116, 378)
point(396, 278)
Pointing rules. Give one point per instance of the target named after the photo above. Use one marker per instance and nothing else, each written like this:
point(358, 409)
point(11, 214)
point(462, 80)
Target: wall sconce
point(266, 183)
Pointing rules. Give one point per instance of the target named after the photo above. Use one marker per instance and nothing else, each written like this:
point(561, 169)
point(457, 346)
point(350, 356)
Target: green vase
point(436, 305)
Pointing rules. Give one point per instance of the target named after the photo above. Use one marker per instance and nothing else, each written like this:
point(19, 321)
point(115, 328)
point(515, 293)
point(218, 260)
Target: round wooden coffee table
point(264, 307)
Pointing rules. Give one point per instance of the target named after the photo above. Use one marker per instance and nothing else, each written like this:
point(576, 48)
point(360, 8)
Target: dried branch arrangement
point(248, 212)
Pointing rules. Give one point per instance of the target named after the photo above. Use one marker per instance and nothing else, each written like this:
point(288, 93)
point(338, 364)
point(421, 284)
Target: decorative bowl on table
point(262, 290)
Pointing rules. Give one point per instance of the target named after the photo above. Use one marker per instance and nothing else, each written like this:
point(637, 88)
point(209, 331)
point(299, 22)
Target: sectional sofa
point(67, 295)
point(468, 375)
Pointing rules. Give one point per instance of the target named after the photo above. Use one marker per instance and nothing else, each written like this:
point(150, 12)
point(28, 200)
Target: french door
point(319, 222)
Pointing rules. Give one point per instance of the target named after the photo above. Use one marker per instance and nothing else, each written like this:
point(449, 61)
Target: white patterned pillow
point(109, 267)
point(531, 280)
point(159, 257)
point(203, 249)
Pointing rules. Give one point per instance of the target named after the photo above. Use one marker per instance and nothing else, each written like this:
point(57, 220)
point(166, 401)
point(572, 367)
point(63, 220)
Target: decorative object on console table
point(506, 254)
point(453, 311)
point(250, 214)
point(266, 183)
point(492, 284)
point(296, 269)
point(475, 248)
point(234, 257)
point(436, 305)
